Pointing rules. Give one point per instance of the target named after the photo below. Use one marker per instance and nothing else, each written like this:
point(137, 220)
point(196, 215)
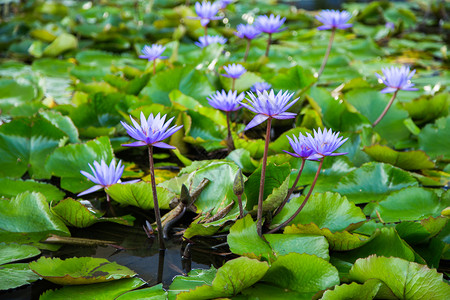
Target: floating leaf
point(100, 291)
point(15, 275)
point(15, 92)
point(302, 273)
point(406, 280)
point(424, 109)
point(373, 181)
point(153, 293)
point(79, 270)
point(283, 244)
point(81, 214)
point(328, 210)
point(339, 241)
point(234, 276)
point(12, 187)
point(434, 138)
point(409, 160)
point(410, 204)
point(61, 44)
point(365, 291)
point(196, 278)
point(13, 252)
point(68, 161)
point(139, 194)
point(25, 144)
point(30, 213)
point(244, 240)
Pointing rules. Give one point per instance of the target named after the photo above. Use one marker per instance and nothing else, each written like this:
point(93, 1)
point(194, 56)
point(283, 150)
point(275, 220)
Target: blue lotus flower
point(260, 87)
point(103, 175)
point(224, 3)
point(234, 71)
point(206, 12)
point(153, 52)
point(324, 143)
point(268, 105)
point(397, 79)
point(151, 131)
point(226, 102)
point(270, 24)
point(300, 147)
point(247, 31)
point(333, 19)
point(204, 41)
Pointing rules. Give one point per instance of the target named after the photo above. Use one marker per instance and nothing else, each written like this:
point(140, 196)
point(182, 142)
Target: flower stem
point(385, 109)
point(291, 190)
point(263, 178)
point(155, 199)
point(247, 49)
point(154, 66)
point(233, 84)
point(241, 209)
point(327, 54)
point(206, 31)
point(269, 41)
point(161, 256)
point(303, 203)
point(230, 143)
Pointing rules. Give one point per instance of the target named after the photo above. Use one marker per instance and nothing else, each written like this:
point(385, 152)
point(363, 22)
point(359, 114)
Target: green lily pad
point(30, 213)
point(339, 241)
point(196, 278)
point(139, 194)
point(268, 291)
point(244, 240)
point(371, 103)
point(15, 275)
point(424, 109)
point(64, 123)
point(302, 273)
point(234, 276)
point(283, 244)
point(409, 160)
point(275, 186)
point(373, 181)
point(434, 139)
point(67, 162)
point(13, 252)
point(12, 187)
point(292, 79)
point(153, 293)
point(365, 291)
point(406, 280)
point(79, 270)
point(81, 214)
point(384, 242)
point(100, 291)
point(328, 210)
point(410, 204)
point(15, 92)
point(25, 144)
point(61, 44)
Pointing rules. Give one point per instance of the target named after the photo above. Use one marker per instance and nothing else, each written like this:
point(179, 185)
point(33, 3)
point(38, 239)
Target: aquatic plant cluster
point(267, 128)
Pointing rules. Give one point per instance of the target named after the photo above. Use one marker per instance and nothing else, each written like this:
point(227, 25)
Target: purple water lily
point(234, 71)
point(269, 105)
point(247, 31)
point(300, 147)
point(206, 12)
point(397, 79)
point(226, 102)
point(151, 131)
point(334, 19)
point(324, 143)
point(204, 41)
point(153, 52)
point(260, 87)
point(103, 175)
point(269, 25)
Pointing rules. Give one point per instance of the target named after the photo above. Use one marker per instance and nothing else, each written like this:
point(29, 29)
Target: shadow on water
point(136, 251)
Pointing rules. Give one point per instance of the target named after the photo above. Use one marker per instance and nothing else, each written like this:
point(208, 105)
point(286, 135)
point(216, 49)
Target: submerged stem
point(291, 190)
point(269, 41)
point(385, 109)
point(155, 199)
point(327, 54)
point(303, 203)
point(263, 178)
